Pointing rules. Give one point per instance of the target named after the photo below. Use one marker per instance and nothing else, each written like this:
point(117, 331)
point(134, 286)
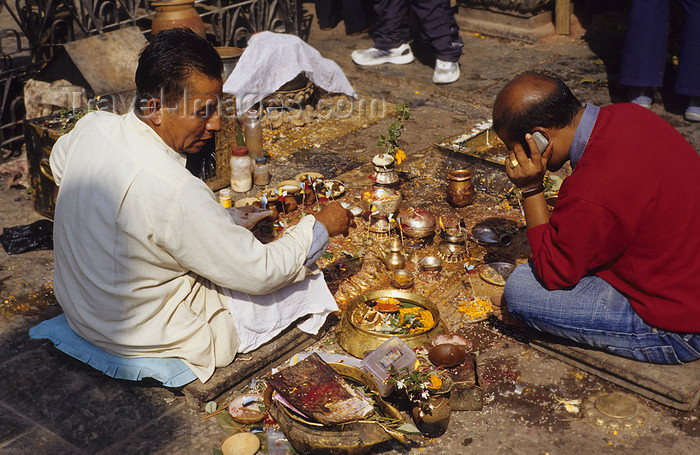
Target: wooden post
point(562, 17)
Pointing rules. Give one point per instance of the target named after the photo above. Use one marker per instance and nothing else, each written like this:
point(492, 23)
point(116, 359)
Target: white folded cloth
point(259, 318)
point(272, 59)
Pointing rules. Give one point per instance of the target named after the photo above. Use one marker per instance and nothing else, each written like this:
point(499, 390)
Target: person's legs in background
point(357, 15)
point(439, 29)
point(596, 314)
point(391, 36)
point(688, 80)
point(328, 13)
point(644, 53)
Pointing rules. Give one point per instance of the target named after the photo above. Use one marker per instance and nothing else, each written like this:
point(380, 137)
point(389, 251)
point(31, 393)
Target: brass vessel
point(177, 14)
point(360, 342)
point(460, 190)
point(354, 438)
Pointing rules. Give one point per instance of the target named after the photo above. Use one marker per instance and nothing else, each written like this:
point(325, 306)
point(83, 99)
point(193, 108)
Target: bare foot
point(498, 302)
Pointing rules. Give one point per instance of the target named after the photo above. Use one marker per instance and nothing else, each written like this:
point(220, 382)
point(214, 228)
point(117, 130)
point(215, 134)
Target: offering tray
point(354, 438)
point(359, 342)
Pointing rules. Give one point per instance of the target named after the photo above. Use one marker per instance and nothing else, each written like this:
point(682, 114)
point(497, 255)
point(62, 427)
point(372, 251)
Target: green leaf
point(210, 407)
point(327, 255)
point(226, 422)
point(217, 452)
point(408, 428)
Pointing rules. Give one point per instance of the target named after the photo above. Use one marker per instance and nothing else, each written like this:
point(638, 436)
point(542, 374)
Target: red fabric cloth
point(630, 214)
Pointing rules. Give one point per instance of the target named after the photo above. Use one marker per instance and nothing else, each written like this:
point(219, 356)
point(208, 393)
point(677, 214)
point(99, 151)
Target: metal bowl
point(386, 200)
point(360, 342)
point(430, 264)
point(402, 279)
point(417, 223)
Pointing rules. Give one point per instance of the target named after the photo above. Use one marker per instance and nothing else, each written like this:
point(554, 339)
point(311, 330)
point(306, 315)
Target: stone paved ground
point(51, 404)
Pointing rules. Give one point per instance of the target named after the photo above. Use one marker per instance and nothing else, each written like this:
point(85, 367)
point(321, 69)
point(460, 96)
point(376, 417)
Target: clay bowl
point(290, 186)
point(446, 355)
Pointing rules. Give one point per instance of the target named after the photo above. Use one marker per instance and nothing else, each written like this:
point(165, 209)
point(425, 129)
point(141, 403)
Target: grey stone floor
point(51, 404)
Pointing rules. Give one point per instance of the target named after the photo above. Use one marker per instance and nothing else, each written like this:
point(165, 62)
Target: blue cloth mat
point(171, 372)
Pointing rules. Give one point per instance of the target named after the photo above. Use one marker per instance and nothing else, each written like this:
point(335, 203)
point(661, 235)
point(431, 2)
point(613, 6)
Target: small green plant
point(390, 142)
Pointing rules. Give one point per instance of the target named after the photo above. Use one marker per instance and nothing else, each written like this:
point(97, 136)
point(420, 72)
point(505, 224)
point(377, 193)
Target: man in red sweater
point(617, 266)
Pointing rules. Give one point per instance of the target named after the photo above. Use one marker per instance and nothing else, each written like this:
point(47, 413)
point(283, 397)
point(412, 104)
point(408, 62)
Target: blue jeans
point(596, 314)
point(644, 54)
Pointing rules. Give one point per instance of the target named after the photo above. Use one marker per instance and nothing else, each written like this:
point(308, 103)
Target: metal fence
point(41, 27)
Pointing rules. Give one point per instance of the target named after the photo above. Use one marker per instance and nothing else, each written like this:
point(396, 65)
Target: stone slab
point(511, 26)
point(676, 386)
point(239, 373)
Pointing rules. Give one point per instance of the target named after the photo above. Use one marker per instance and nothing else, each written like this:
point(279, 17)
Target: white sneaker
point(372, 56)
point(445, 72)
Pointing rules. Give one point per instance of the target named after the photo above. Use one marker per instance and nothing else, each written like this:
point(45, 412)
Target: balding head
point(531, 100)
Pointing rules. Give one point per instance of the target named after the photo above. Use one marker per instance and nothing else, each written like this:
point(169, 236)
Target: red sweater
point(630, 214)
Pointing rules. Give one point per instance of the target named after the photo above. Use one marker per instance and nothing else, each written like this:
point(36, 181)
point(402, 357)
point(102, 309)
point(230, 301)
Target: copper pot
point(177, 14)
point(460, 190)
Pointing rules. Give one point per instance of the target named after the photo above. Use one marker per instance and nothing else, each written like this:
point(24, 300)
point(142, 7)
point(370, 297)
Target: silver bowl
point(417, 223)
point(386, 200)
point(430, 264)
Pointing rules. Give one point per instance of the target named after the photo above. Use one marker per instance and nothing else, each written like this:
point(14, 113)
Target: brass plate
point(359, 342)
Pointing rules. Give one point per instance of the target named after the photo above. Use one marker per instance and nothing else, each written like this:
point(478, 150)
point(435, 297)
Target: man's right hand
point(335, 219)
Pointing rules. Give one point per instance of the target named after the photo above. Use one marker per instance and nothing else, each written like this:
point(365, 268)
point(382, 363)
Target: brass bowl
point(402, 279)
point(359, 342)
point(386, 200)
point(353, 438)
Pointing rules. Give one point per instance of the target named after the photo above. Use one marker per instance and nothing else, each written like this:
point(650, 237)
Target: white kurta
point(135, 233)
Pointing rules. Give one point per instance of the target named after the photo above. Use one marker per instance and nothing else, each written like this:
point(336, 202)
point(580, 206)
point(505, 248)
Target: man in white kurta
point(147, 263)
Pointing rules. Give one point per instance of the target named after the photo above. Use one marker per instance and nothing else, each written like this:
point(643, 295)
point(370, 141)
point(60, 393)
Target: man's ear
point(154, 111)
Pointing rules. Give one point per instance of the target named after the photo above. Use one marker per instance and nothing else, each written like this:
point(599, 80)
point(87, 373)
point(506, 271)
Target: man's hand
point(527, 172)
point(335, 219)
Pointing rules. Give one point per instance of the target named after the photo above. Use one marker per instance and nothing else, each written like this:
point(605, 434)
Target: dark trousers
point(357, 14)
point(644, 54)
point(437, 26)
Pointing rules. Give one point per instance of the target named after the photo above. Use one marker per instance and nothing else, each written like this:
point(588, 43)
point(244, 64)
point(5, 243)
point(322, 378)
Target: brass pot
point(354, 438)
point(177, 14)
point(359, 342)
point(434, 422)
point(460, 190)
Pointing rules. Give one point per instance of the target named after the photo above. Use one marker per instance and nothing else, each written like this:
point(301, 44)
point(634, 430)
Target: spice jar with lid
point(225, 197)
point(241, 169)
point(252, 130)
point(261, 171)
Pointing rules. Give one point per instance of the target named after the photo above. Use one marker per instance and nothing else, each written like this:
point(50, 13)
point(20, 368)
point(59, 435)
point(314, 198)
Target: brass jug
point(394, 259)
point(460, 190)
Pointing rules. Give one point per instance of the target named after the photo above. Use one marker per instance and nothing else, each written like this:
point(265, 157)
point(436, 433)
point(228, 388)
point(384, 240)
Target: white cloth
point(259, 318)
point(272, 59)
point(135, 235)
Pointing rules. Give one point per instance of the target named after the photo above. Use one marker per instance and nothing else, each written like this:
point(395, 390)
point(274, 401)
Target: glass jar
point(241, 169)
point(252, 130)
point(261, 171)
point(225, 197)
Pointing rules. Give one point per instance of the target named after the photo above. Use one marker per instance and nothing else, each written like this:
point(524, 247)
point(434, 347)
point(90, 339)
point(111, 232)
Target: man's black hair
point(555, 109)
point(169, 60)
